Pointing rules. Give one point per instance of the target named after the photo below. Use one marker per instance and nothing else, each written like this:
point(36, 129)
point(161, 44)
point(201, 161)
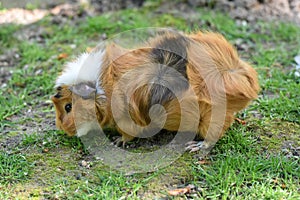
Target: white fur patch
point(86, 68)
point(84, 128)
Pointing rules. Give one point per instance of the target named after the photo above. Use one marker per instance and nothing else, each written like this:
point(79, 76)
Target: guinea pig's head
point(62, 101)
point(77, 106)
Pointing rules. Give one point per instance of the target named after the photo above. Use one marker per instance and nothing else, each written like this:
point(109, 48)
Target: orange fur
point(64, 121)
point(212, 63)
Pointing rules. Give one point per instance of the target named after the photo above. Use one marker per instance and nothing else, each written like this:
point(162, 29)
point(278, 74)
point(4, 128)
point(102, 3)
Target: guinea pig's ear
point(115, 51)
point(85, 90)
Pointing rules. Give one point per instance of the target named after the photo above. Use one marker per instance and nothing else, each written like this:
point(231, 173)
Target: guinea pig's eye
point(68, 107)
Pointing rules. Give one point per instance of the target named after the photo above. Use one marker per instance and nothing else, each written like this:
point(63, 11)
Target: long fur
point(86, 68)
point(206, 63)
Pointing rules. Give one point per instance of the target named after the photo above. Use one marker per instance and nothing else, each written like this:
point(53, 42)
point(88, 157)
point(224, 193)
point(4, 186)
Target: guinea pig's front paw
point(121, 141)
point(202, 147)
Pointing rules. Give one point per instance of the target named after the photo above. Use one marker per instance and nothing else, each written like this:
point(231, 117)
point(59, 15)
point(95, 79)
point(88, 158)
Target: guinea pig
point(188, 82)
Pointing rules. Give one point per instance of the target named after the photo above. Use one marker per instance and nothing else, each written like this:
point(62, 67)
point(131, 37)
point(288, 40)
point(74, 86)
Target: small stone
point(73, 46)
point(78, 177)
point(84, 163)
point(46, 150)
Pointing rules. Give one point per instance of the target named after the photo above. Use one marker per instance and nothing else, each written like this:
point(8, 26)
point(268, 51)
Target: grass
point(253, 161)
point(262, 177)
point(13, 168)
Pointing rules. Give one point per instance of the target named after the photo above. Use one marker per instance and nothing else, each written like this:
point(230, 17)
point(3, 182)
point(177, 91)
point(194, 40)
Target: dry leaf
point(62, 56)
point(181, 191)
point(204, 162)
point(283, 186)
point(243, 122)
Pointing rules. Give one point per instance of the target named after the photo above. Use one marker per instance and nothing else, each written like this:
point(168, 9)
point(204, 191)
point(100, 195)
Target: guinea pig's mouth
point(70, 133)
point(69, 129)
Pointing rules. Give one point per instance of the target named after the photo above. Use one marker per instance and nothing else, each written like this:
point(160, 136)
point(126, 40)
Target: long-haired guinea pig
point(198, 80)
